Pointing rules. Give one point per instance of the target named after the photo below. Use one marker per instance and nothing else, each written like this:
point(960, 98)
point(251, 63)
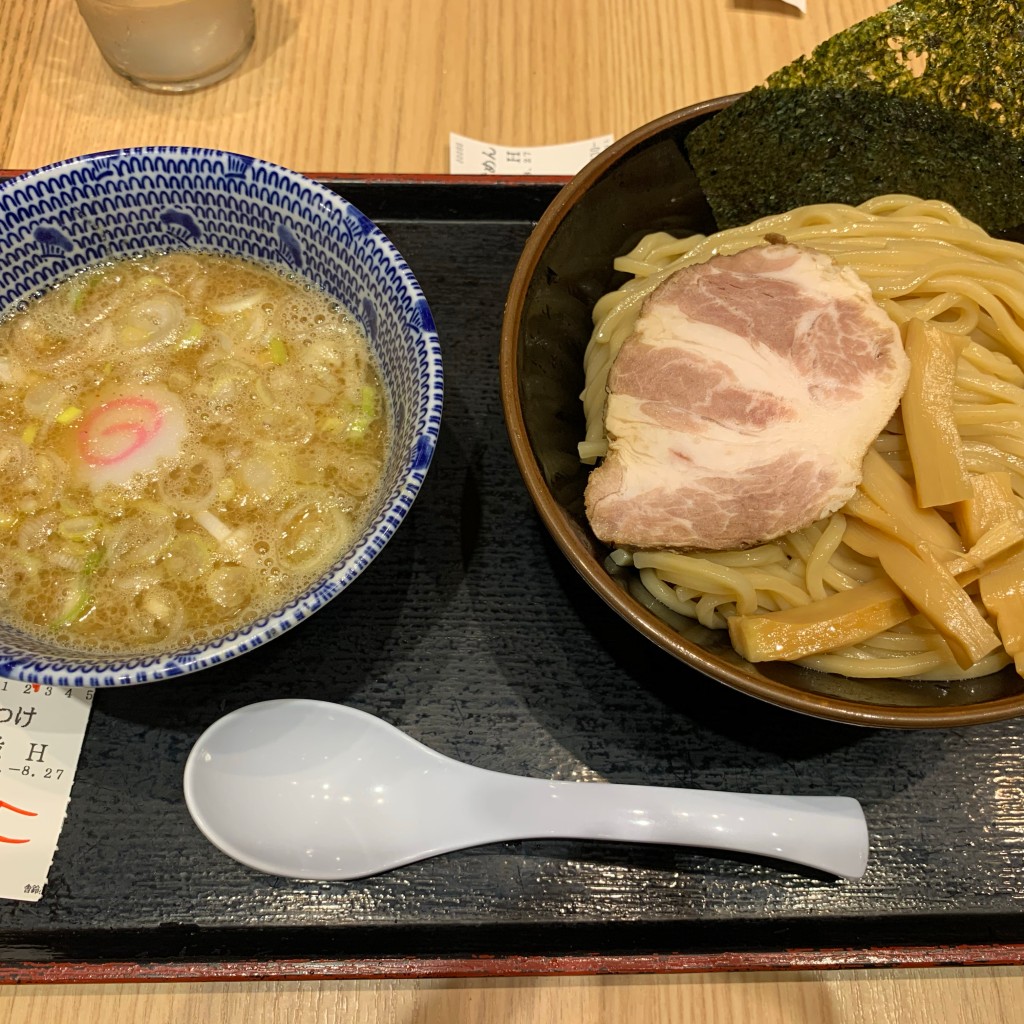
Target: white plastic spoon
point(312, 790)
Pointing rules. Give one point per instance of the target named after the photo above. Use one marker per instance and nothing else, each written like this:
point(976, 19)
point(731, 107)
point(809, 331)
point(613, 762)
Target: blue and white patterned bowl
point(60, 218)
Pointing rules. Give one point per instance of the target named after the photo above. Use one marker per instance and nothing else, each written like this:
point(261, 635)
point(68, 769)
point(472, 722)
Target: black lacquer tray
point(472, 633)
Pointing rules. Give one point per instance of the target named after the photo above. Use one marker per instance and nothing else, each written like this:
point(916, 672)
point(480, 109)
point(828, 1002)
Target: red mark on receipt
point(5, 806)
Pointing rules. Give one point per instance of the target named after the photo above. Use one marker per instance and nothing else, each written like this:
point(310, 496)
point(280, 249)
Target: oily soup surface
point(186, 441)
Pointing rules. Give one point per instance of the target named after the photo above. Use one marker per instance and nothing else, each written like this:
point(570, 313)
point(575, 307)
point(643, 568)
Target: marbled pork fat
point(741, 406)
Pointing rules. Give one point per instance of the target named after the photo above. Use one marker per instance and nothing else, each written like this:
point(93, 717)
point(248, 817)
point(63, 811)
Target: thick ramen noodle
point(186, 442)
point(918, 574)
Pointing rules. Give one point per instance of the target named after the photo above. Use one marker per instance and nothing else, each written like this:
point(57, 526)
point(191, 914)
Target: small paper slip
point(470, 156)
point(41, 732)
point(800, 5)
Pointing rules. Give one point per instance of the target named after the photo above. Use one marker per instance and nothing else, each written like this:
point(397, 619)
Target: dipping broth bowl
point(640, 184)
point(86, 210)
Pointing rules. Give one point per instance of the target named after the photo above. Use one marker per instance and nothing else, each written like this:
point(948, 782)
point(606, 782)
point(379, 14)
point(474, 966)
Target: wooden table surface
point(340, 86)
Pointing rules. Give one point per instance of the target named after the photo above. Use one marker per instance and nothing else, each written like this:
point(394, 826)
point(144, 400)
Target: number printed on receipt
point(41, 732)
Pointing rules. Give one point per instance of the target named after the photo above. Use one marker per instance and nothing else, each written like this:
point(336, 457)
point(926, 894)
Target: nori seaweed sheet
point(924, 98)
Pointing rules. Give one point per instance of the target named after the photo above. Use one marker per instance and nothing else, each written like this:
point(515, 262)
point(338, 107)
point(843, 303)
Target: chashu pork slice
point(741, 406)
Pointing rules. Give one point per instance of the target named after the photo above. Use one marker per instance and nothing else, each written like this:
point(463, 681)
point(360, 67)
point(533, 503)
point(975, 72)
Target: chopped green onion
point(239, 304)
point(189, 554)
point(81, 601)
point(93, 561)
point(367, 414)
point(28, 435)
point(82, 286)
point(68, 414)
point(278, 352)
point(133, 334)
point(80, 527)
point(75, 608)
point(193, 330)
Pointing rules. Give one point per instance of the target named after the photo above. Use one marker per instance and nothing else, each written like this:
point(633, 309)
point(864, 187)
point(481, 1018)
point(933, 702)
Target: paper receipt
point(41, 733)
point(470, 156)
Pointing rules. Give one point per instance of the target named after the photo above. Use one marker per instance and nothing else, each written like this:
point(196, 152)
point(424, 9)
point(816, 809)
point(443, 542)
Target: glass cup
point(171, 45)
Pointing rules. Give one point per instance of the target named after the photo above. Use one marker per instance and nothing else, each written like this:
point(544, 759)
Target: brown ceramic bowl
point(643, 183)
